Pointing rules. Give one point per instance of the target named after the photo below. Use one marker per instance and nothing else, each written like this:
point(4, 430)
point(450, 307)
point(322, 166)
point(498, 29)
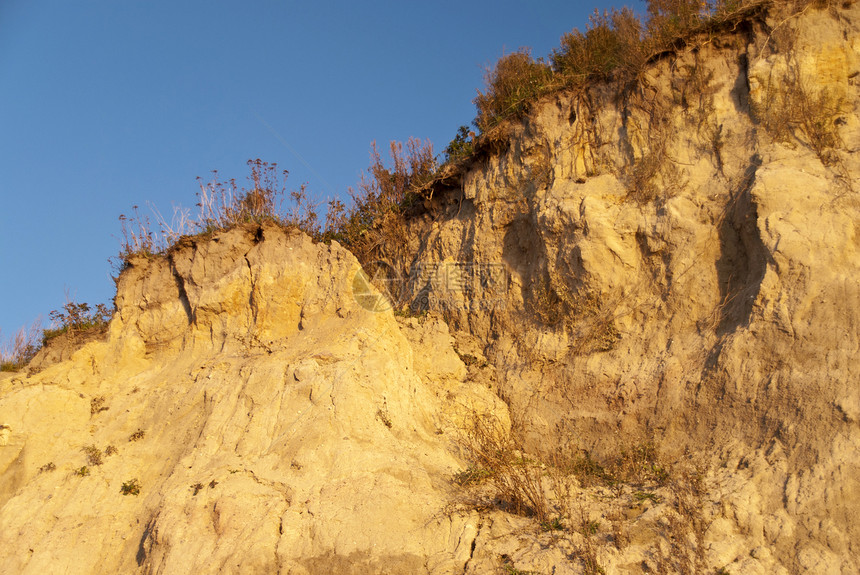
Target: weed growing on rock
point(111, 450)
point(470, 476)
point(82, 471)
point(793, 109)
point(47, 467)
point(137, 435)
point(508, 567)
point(130, 487)
point(554, 524)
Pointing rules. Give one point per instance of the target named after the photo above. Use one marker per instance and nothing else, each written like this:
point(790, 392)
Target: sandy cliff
point(671, 265)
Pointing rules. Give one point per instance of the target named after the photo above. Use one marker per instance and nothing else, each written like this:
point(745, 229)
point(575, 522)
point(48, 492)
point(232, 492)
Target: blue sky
point(113, 103)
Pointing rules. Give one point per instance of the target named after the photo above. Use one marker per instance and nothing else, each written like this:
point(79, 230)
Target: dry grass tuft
point(497, 458)
point(21, 348)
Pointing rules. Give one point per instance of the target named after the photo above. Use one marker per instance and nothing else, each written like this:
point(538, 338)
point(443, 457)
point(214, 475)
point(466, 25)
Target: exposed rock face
point(285, 428)
point(682, 265)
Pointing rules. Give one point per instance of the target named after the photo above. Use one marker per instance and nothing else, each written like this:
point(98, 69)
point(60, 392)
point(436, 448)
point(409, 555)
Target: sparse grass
point(471, 476)
point(589, 527)
point(508, 567)
point(517, 480)
point(647, 496)
point(111, 450)
point(469, 360)
point(130, 487)
point(21, 348)
point(554, 524)
point(588, 318)
point(221, 205)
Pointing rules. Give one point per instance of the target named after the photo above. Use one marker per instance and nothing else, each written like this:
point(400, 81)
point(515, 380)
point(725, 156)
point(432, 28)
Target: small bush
point(137, 435)
point(47, 467)
point(612, 44)
point(462, 146)
point(670, 19)
point(75, 318)
point(516, 80)
point(111, 450)
point(130, 487)
point(83, 471)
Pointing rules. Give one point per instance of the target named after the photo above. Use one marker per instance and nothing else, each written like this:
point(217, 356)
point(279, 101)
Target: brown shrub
point(374, 226)
point(496, 456)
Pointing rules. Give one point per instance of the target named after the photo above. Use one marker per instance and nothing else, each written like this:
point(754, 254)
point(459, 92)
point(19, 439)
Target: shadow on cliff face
point(742, 263)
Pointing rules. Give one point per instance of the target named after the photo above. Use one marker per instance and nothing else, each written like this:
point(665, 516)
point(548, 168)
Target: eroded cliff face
point(269, 410)
point(672, 264)
point(682, 262)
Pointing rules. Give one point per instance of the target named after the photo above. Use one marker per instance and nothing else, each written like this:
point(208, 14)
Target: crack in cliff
point(252, 300)
point(473, 545)
point(183, 294)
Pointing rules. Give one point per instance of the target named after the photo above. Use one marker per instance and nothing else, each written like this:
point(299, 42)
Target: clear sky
point(106, 104)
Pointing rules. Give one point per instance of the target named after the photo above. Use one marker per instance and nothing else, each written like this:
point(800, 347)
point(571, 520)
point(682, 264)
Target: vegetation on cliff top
point(616, 45)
